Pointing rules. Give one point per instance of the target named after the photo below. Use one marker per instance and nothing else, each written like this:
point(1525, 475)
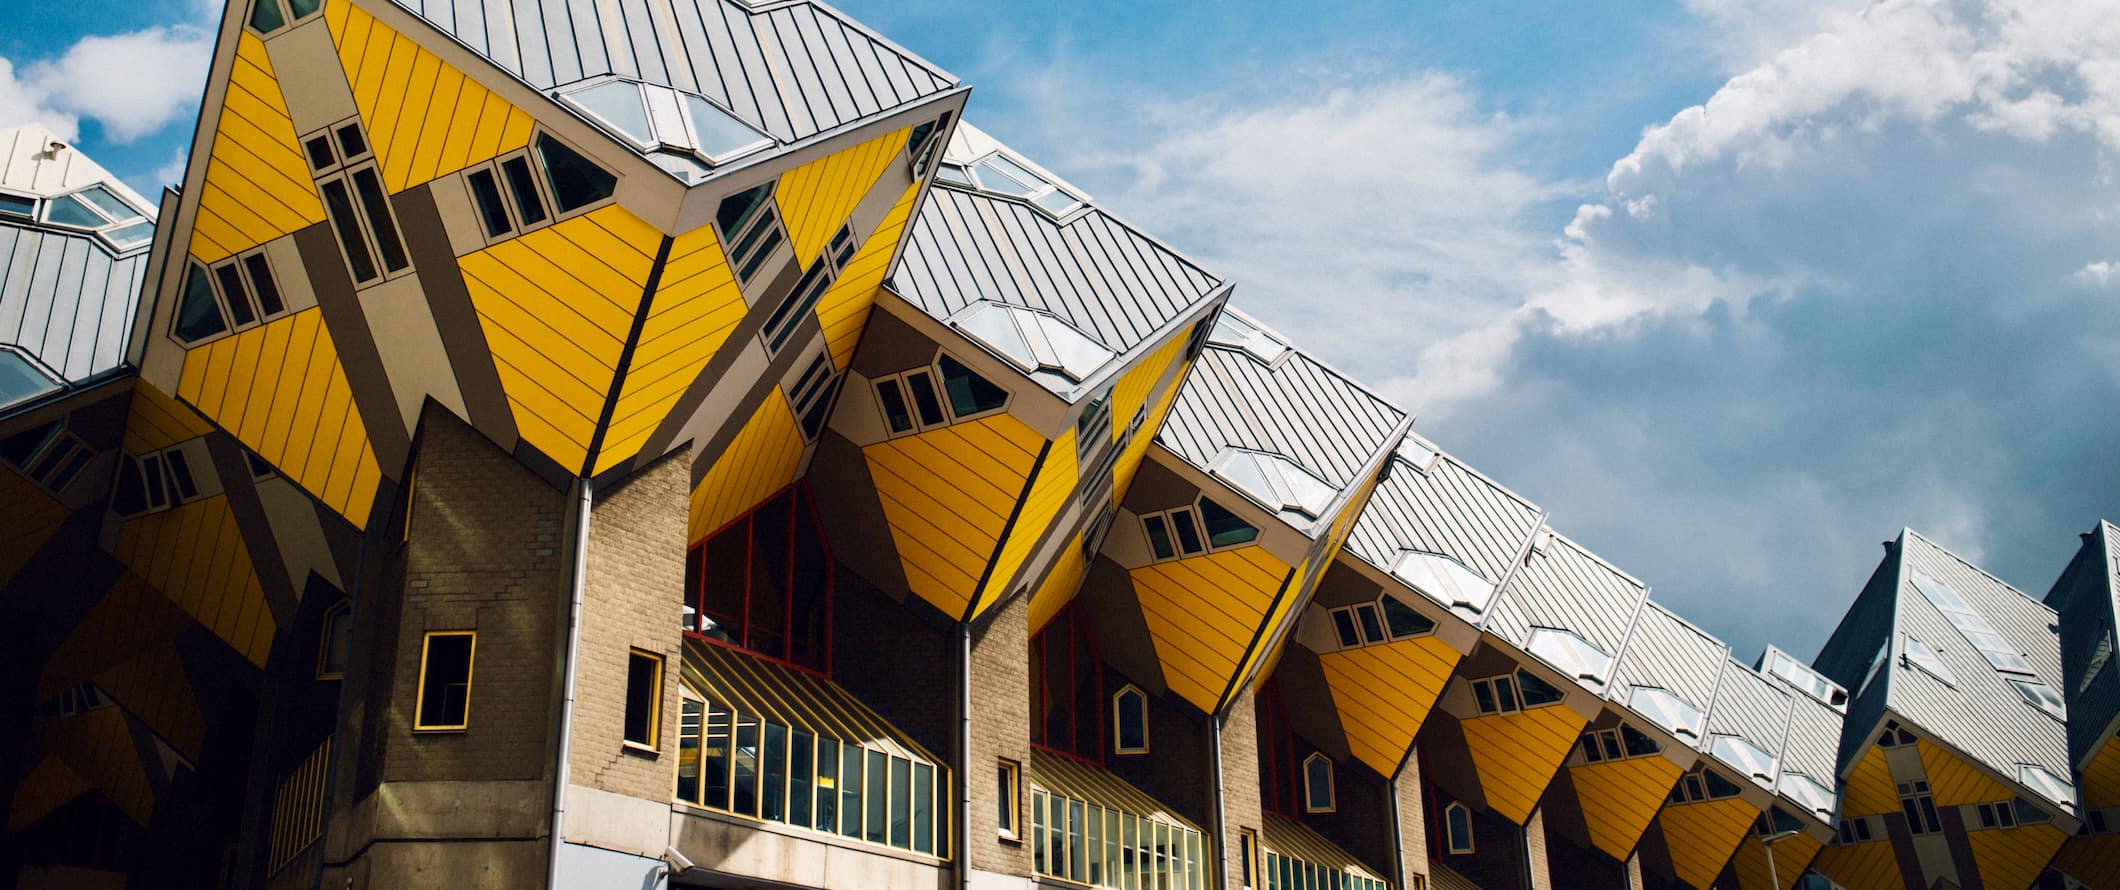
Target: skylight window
point(1567, 650)
point(1276, 482)
point(21, 206)
point(1002, 175)
point(658, 118)
point(1803, 678)
point(1444, 579)
point(1667, 710)
point(1918, 654)
point(2050, 786)
point(1741, 753)
point(1992, 645)
point(2041, 696)
point(100, 210)
point(1418, 454)
point(21, 380)
point(1034, 341)
point(1807, 791)
point(1236, 333)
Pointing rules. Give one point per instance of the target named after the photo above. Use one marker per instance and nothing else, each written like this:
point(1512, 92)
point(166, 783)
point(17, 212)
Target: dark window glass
point(1132, 720)
point(486, 192)
point(78, 458)
point(895, 411)
point(820, 410)
point(1403, 620)
point(1536, 691)
point(850, 790)
point(743, 779)
point(523, 187)
point(262, 285)
point(1611, 743)
point(1590, 749)
point(1928, 814)
point(923, 387)
point(338, 204)
point(198, 315)
point(445, 683)
point(1987, 816)
point(765, 249)
point(1912, 813)
point(17, 205)
point(901, 802)
point(1718, 787)
point(1181, 521)
point(337, 642)
point(238, 300)
point(782, 323)
point(1158, 537)
point(319, 150)
point(157, 490)
point(1005, 798)
point(802, 749)
point(180, 475)
point(1372, 626)
point(130, 497)
point(969, 393)
point(773, 800)
point(721, 730)
point(1459, 821)
point(764, 582)
point(351, 144)
point(923, 808)
point(643, 691)
point(1505, 695)
point(1484, 696)
point(265, 16)
point(576, 182)
point(380, 221)
point(304, 7)
point(691, 722)
point(1343, 624)
point(736, 209)
point(1223, 527)
point(1317, 784)
point(20, 447)
point(918, 137)
point(1637, 743)
point(827, 814)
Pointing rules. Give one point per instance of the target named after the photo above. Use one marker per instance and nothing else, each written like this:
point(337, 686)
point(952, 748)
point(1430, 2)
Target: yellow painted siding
point(1703, 835)
point(1048, 495)
point(1383, 694)
point(1955, 782)
point(131, 616)
point(100, 748)
point(1305, 578)
point(48, 786)
point(1517, 754)
point(2013, 857)
point(1869, 790)
point(1129, 462)
point(1139, 382)
point(844, 309)
point(32, 516)
point(1870, 866)
point(557, 305)
point(2101, 777)
point(1620, 798)
point(1060, 584)
point(153, 686)
point(279, 389)
point(762, 459)
point(696, 306)
point(1791, 857)
point(195, 555)
point(424, 117)
point(1203, 611)
point(816, 197)
point(2092, 859)
point(156, 421)
point(947, 495)
point(257, 185)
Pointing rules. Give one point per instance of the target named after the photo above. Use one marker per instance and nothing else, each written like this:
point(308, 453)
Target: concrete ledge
point(763, 851)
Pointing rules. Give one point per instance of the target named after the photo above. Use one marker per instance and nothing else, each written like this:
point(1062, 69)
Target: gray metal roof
point(1296, 407)
point(1108, 280)
point(1812, 745)
point(1668, 653)
point(1564, 586)
point(1751, 707)
point(1450, 509)
point(1977, 711)
point(790, 69)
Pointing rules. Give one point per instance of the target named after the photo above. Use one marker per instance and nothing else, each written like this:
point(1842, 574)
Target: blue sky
point(1735, 288)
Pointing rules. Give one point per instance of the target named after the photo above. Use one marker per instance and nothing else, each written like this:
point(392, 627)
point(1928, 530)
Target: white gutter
point(561, 776)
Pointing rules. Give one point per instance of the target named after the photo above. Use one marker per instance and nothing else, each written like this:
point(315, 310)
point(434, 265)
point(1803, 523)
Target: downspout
point(579, 582)
point(1220, 871)
point(964, 755)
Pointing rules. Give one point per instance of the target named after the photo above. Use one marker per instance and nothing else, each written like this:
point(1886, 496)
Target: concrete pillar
point(1241, 805)
point(1413, 824)
point(1000, 730)
point(1535, 869)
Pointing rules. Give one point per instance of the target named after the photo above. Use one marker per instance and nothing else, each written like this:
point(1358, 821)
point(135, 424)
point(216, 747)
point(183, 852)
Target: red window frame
point(738, 631)
point(1076, 642)
point(1280, 758)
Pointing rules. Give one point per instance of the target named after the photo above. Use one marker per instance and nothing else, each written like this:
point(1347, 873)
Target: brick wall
point(1001, 728)
point(1535, 850)
point(632, 599)
point(1413, 823)
point(1240, 782)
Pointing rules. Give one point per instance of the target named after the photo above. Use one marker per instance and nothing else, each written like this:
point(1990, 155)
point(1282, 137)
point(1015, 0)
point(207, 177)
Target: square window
point(445, 681)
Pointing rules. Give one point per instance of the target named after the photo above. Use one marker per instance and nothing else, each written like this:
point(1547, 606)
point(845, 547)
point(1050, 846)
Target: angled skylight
point(1739, 752)
point(1803, 678)
point(1002, 175)
point(100, 210)
point(21, 379)
point(1276, 482)
point(1418, 453)
point(1992, 645)
point(20, 206)
point(1034, 341)
point(1444, 580)
point(1236, 333)
point(2041, 696)
point(1667, 710)
point(1807, 791)
point(1567, 650)
point(1919, 654)
point(658, 118)
point(2050, 786)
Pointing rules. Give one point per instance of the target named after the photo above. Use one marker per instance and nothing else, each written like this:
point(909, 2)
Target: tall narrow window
point(764, 583)
point(445, 681)
point(1457, 829)
point(1067, 681)
point(1130, 720)
point(335, 643)
point(1317, 784)
point(1009, 818)
point(644, 675)
point(1919, 808)
point(1248, 853)
point(355, 202)
point(750, 229)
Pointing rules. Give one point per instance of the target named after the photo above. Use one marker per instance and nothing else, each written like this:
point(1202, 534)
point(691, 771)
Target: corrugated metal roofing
point(1570, 588)
point(1297, 407)
point(1978, 712)
point(1812, 746)
point(66, 300)
point(1295, 840)
point(1107, 279)
point(792, 69)
point(1750, 707)
point(755, 686)
point(1667, 652)
point(1089, 784)
point(1450, 509)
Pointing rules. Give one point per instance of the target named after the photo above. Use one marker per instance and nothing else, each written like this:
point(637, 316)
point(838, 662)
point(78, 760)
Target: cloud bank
point(132, 85)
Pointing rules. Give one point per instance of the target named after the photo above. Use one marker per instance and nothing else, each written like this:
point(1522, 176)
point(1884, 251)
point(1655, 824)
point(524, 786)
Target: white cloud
point(2098, 274)
point(25, 102)
point(133, 84)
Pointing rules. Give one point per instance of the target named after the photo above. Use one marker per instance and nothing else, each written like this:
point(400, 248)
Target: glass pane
point(524, 187)
point(304, 7)
point(1038, 858)
point(1132, 720)
point(1158, 537)
point(827, 814)
point(338, 204)
point(1372, 623)
point(261, 284)
point(351, 143)
point(896, 413)
point(618, 105)
point(445, 686)
point(17, 205)
point(486, 193)
point(1002, 175)
point(743, 784)
point(1536, 691)
point(1077, 849)
point(773, 800)
point(901, 802)
point(103, 200)
point(71, 211)
point(265, 16)
point(1078, 355)
point(198, 315)
point(690, 722)
point(850, 790)
point(131, 235)
point(1505, 695)
point(1188, 531)
point(923, 388)
point(995, 326)
point(923, 808)
point(719, 135)
point(1224, 529)
point(1057, 202)
point(19, 380)
point(876, 777)
point(379, 219)
point(232, 288)
point(1404, 621)
point(736, 210)
point(575, 181)
point(802, 768)
point(969, 393)
point(1483, 696)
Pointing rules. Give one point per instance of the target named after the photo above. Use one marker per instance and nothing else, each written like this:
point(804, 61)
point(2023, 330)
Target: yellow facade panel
point(1202, 612)
point(2101, 777)
point(48, 786)
point(155, 421)
point(99, 747)
point(947, 494)
point(1791, 857)
point(816, 197)
point(1870, 866)
point(2093, 859)
point(32, 516)
point(1955, 782)
point(762, 459)
point(1134, 387)
point(1258, 663)
point(2013, 857)
point(1060, 584)
point(844, 309)
point(696, 306)
point(194, 554)
point(1517, 754)
point(1869, 790)
point(1045, 499)
point(1383, 694)
point(257, 184)
point(1702, 836)
point(236, 382)
point(1130, 458)
point(153, 685)
point(424, 117)
point(1619, 799)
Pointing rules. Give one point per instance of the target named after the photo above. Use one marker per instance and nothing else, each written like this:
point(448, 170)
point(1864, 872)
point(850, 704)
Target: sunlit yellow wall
point(1869, 790)
point(2101, 777)
point(1048, 495)
point(762, 459)
point(1867, 866)
point(1383, 694)
point(1955, 782)
point(815, 198)
point(844, 309)
point(155, 421)
point(1620, 798)
point(1791, 857)
point(1702, 836)
point(947, 495)
point(1268, 653)
point(1517, 754)
point(279, 388)
point(1203, 611)
point(2014, 857)
point(257, 185)
point(424, 117)
point(195, 555)
point(1060, 584)
point(696, 306)
point(557, 305)
point(1130, 458)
